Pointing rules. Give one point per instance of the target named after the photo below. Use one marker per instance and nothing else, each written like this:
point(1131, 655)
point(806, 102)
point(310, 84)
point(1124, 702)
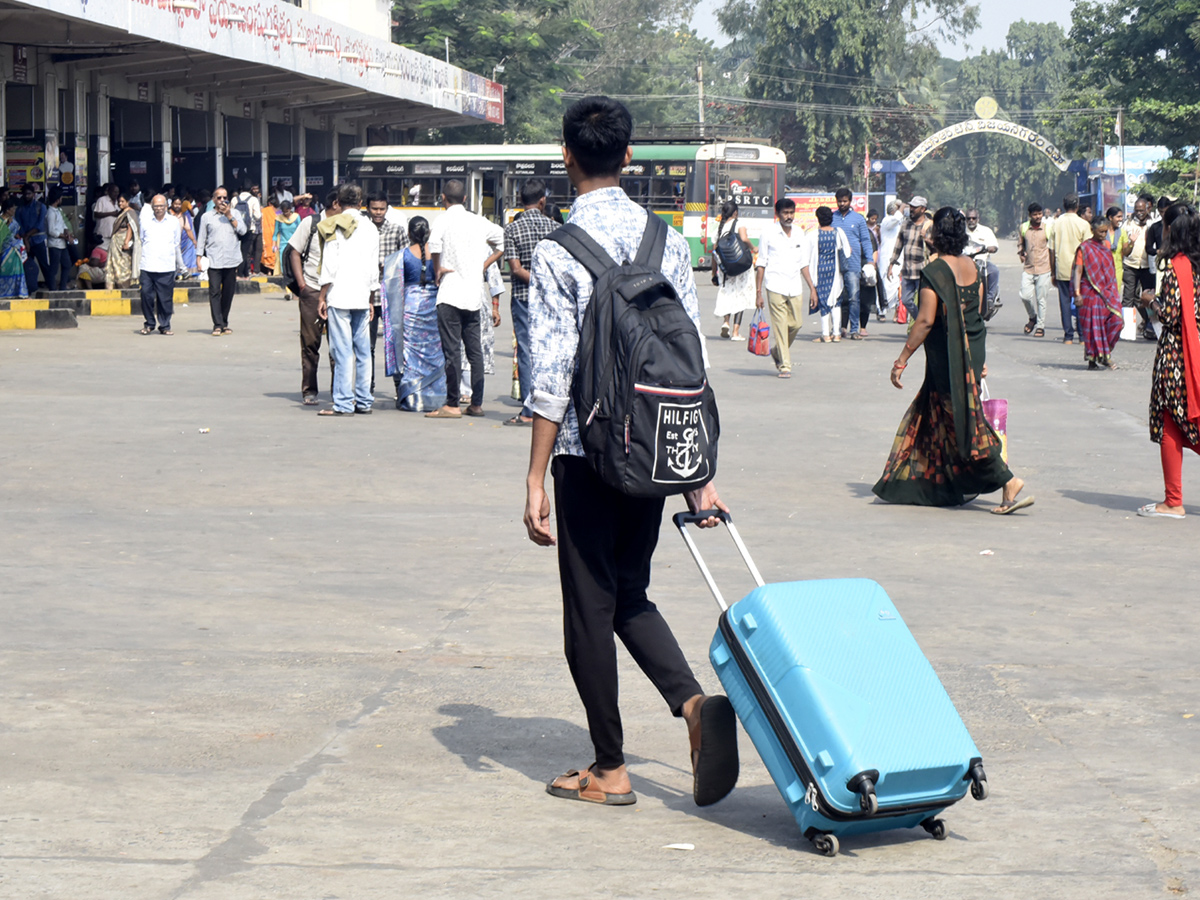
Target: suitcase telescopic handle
point(683, 519)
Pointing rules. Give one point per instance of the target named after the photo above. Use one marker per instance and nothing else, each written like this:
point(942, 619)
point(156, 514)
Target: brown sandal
point(588, 792)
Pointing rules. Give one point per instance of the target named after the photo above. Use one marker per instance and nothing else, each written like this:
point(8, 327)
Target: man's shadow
point(536, 745)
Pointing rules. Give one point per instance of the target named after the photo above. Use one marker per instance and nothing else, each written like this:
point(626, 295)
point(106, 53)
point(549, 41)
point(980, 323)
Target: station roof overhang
point(266, 51)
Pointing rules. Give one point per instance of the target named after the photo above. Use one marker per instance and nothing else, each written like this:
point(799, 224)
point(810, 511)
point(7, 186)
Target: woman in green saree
point(945, 452)
point(12, 267)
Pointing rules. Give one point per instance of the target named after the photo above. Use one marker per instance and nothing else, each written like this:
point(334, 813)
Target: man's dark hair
point(843, 192)
point(1070, 202)
point(1149, 198)
point(784, 203)
point(1163, 202)
point(376, 197)
point(597, 132)
point(454, 191)
point(349, 195)
point(824, 216)
point(332, 198)
point(532, 192)
point(872, 212)
point(55, 195)
point(247, 184)
point(1035, 207)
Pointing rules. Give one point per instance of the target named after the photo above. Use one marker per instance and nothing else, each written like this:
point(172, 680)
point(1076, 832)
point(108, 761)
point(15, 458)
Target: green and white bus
point(685, 183)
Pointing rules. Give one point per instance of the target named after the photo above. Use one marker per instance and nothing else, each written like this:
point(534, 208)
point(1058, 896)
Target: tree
point(531, 38)
point(823, 68)
point(1144, 57)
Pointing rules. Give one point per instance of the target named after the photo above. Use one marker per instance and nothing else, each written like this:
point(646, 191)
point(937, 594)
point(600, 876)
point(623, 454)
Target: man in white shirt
point(250, 210)
point(783, 255)
point(160, 262)
point(981, 243)
point(280, 193)
point(349, 277)
point(459, 245)
point(104, 213)
point(889, 233)
point(58, 235)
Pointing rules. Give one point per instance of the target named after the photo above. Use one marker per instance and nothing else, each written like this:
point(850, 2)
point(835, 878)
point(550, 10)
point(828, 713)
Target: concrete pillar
point(103, 137)
point(264, 133)
point(50, 117)
point(219, 141)
point(3, 121)
point(168, 136)
point(302, 145)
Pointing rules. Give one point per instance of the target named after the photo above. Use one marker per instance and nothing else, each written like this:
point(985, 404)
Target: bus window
point(752, 186)
point(415, 191)
point(667, 193)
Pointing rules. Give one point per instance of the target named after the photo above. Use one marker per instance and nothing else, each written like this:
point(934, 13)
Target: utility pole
point(700, 85)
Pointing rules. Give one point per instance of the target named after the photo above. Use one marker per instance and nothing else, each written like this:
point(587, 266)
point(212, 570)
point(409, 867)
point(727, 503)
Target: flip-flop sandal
point(146, 331)
point(167, 331)
point(1150, 511)
point(589, 793)
point(714, 751)
point(1013, 507)
point(1039, 332)
point(333, 412)
point(440, 413)
point(216, 332)
point(518, 422)
point(1032, 324)
point(311, 401)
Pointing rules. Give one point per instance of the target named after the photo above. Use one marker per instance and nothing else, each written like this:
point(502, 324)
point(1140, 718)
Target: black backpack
point(733, 253)
point(647, 416)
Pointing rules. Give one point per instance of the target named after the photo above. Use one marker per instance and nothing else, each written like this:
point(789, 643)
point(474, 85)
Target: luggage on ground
point(845, 710)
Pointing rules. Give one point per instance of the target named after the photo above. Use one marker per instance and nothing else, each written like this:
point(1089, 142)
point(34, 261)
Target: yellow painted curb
point(261, 279)
point(20, 305)
point(102, 295)
point(18, 320)
point(117, 307)
point(180, 295)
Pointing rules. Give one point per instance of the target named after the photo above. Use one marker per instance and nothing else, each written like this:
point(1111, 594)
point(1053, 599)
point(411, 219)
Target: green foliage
point(999, 175)
point(529, 37)
point(825, 63)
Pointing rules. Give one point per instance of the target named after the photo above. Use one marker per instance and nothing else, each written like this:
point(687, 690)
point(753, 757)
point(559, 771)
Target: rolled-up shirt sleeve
point(553, 334)
point(331, 252)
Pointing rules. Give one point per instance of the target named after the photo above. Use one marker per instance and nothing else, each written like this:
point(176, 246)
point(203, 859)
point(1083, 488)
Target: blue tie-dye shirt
point(559, 291)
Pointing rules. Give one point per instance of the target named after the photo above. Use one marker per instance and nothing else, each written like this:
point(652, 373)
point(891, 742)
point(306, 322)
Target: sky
point(995, 17)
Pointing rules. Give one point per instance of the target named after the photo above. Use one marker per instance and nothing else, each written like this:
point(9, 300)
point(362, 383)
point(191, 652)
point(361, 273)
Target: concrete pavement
point(303, 657)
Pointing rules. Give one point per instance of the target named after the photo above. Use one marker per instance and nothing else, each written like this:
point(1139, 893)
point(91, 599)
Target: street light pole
point(700, 95)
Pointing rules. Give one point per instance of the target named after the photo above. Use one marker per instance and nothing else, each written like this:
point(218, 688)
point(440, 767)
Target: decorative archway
point(1025, 135)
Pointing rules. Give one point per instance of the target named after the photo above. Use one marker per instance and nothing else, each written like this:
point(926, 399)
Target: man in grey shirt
point(220, 240)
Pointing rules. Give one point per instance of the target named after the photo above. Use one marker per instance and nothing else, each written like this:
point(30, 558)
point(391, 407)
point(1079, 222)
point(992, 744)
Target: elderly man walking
point(161, 259)
point(349, 280)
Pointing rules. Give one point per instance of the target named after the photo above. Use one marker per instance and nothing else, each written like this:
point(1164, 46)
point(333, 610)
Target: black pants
point(221, 284)
point(605, 541)
point(158, 298)
point(247, 266)
point(376, 318)
point(459, 328)
point(311, 327)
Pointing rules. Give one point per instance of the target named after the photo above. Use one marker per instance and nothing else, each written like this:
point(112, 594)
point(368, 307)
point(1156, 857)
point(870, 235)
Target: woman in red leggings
point(1175, 389)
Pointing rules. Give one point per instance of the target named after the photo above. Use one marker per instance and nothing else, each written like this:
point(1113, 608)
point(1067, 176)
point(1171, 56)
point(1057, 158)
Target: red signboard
point(806, 206)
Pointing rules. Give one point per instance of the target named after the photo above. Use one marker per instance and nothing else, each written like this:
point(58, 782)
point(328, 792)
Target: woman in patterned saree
point(945, 452)
point(1097, 297)
point(1175, 384)
point(12, 267)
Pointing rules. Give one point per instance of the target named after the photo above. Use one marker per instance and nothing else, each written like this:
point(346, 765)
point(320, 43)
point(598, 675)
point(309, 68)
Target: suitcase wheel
point(826, 844)
point(863, 784)
point(979, 785)
point(935, 827)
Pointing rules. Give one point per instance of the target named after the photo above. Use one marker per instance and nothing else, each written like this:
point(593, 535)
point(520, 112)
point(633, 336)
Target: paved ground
point(296, 657)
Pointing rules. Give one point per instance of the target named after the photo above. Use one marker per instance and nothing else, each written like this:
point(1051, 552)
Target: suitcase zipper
point(812, 796)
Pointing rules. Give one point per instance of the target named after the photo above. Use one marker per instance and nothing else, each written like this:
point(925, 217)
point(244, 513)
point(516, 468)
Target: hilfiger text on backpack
point(647, 416)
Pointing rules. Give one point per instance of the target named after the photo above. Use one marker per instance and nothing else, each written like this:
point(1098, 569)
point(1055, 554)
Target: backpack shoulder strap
point(584, 248)
point(654, 242)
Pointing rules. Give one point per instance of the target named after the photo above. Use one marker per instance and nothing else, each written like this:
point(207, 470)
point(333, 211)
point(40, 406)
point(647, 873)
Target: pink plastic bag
point(996, 412)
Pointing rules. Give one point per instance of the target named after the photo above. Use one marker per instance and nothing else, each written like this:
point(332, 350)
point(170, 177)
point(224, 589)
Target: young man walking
point(349, 278)
point(1034, 252)
point(854, 227)
point(521, 237)
point(606, 538)
point(783, 255)
point(392, 237)
point(459, 245)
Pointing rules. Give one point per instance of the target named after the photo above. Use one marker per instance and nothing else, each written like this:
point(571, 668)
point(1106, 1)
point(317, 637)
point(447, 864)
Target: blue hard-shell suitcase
point(843, 707)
